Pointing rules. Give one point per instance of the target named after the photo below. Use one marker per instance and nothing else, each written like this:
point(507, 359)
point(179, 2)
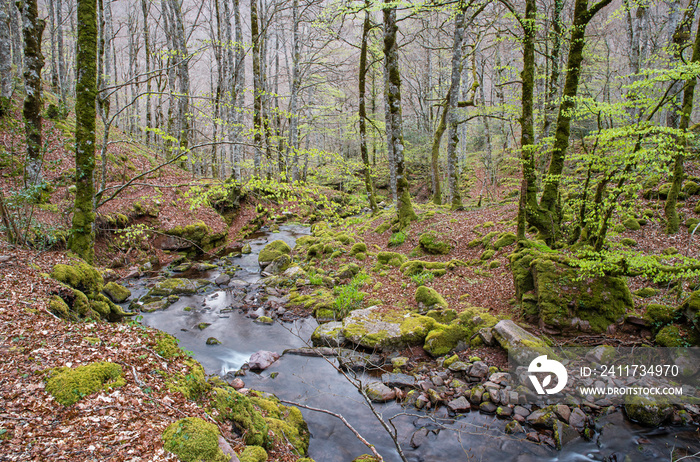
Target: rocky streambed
point(458, 407)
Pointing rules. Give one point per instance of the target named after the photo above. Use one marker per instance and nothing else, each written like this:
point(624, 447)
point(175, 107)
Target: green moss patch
point(273, 250)
point(194, 440)
point(430, 243)
point(429, 297)
point(68, 385)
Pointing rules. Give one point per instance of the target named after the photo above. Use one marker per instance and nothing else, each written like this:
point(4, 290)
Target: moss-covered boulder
point(194, 440)
point(117, 293)
point(273, 250)
point(446, 338)
point(81, 276)
point(660, 315)
point(691, 309)
point(429, 297)
point(431, 244)
point(347, 271)
point(393, 259)
point(68, 385)
point(279, 265)
point(670, 336)
point(241, 411)
point(564, 301)
point(177, 286)
point(197, 236)
point(646, 292)
point(375, 329)
point(647, 411)
point(504, 240)
point(253, 454)
point(415, 328)
point(329, 334)
point(631, 223)
point(360, 247)
point(520, 344)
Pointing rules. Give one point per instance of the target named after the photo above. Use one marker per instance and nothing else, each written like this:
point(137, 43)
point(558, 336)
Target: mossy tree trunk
point(672, 220)
point(32, 29)
point(257, 87)
point(435, 155)
point(395, 126)
point(528, 191)
point(82, 240)
point(5, 59)
point(548, 216)
point(362, 112)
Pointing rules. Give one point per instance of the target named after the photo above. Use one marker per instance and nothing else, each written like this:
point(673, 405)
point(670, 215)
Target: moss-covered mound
point(548, 287)
point(117, 293)
point(85, 298)
point(430, 243)
point(429, 297)
point(198, 236)
point(194, 440)
point(253, 454)
point(68, 385)
point(273, 250)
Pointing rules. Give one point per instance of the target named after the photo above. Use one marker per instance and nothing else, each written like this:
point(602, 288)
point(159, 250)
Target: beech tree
point(82, 238)
point(5, 59)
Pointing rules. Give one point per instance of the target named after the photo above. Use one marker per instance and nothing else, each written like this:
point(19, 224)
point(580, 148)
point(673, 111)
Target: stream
point(314, 382)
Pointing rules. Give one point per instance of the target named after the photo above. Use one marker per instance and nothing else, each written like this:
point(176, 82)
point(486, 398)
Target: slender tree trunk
point(257, 88)
point(62, 78)
point(395, 128)
point(451, 108)
point(145, 9)
point(294, 96)
point(553, 83)
point(238, 90)
point(435, 154)
point(16, 33)
point(33, 63)
point(548, 223)
point(366, 169)
point(5, 59)
point(527, 210)
point(672, 220)
point(52, 35)
point(183, 74)
point(82, 240)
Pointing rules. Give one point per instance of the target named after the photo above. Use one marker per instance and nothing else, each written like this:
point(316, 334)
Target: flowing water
point(315, 382)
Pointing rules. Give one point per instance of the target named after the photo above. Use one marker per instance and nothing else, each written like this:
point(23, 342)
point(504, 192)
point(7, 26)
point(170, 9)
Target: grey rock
point(459, 405)
point(520, 344)
point(459, 366)
point(486, 335)
point(261, 360)
point(379, 393)
point(647, 411)
point(419, 437)
point(479, 369)
point(329, 334)
point(398, 380)
point(564, 434)
point(223, 279)
point(488, 407)
point(577, 419)
point(368, 328)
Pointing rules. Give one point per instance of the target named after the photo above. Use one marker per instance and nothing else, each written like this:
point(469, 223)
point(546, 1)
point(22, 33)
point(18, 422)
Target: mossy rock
point(628, 242)
point(315, 250)
point(619, 228)
point(444, 339)
point(563, 301)
point(691, 224)
point(391, 258)
point(253, 454)
point(191, 384)
point(286, 424)
point(347, 271)
point(117, 293)
point(690, 188)
point(359, 247)
point(194, 440)
point(487, 255)
point(365, 458)
point(670, 251)
point(177, 286)
point(59, 307)
point(504, 240)
point(414, 329)
point(430, 243)
point(494, 264)
point(80, 276)
point(691, 309)
point(68, 385)
point(660, 315)
point(631, 223)
point(670, 336)
point(429, 297)
point(246, 418)
point(646, 292)
point(414, 267)
point(442, 316)
point(648, 411)
point(273, 250)
point(371, 328)
point(383, 227)
point(486, 240)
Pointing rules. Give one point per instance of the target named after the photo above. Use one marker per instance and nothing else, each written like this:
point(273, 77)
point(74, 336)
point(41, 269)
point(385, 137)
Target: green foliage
point(348, 297)
point(132, 237)
point(397, 239)
point(19, 222)
point(422, 278)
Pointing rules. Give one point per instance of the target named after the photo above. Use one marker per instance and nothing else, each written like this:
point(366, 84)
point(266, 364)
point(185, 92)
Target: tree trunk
point(553, 83)
point(395, 128)
point(62, 78)
point(435, 154)
point(82, 240)
point(145, 8)
point(293, 147)
point(549, 215)
point(451, 108)
point(52, 35)
point(257, 87)
point(5, 59)
point(527, 209)
point(366, 169)
point(238, 90)
point(183, 75)
point(16, 32)
point(672, 220)
point(33, 27)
